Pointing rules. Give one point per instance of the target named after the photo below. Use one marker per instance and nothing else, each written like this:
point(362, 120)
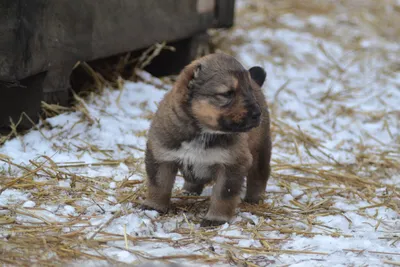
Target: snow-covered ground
point(333, 88)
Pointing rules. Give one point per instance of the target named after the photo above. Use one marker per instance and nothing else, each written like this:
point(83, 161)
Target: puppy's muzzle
point(251, 120)
point(255, 115)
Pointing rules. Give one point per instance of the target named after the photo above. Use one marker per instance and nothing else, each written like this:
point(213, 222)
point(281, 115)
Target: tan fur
point(206, 113)
point(235, 82)
point(238, 113)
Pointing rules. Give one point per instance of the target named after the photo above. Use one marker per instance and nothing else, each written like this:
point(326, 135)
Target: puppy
point(213, 126)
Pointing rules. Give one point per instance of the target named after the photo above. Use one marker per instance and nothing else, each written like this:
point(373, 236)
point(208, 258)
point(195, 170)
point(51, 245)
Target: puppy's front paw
point(146, 206)
point(211, 223)
point(252, 200)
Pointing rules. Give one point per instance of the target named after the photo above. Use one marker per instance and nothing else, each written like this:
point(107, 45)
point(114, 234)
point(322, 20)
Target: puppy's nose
point(255, 113)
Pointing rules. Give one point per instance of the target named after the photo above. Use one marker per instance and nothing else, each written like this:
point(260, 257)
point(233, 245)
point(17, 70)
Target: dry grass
point(46, 243)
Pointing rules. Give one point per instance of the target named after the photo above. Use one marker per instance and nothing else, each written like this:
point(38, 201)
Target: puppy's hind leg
point(160, 181)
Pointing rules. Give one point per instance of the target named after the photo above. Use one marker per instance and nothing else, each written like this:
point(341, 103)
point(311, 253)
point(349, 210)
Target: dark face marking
point(245, 113)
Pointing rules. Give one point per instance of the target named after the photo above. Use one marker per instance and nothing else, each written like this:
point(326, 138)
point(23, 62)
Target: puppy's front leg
point(160, 181)
point(159, 186)
point(225, 196)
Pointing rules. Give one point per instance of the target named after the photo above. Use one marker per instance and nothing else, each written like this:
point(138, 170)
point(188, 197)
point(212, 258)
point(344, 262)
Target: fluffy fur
point(213, 126)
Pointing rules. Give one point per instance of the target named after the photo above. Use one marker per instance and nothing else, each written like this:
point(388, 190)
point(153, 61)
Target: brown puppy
point(212, 126)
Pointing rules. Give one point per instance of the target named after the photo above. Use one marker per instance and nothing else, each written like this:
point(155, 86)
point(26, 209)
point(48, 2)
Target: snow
point(29, 204)
point(348, 237)
point(12, 197)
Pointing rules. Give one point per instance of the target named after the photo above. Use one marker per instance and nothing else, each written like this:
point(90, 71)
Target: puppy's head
point(221, 94)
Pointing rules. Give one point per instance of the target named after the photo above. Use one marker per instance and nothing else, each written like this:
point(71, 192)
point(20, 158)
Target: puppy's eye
point(227, 94)
point(225, 98)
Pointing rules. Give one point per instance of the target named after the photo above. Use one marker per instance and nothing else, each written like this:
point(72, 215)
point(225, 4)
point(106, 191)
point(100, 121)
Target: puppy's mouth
point(240, 128)
point(245, 128)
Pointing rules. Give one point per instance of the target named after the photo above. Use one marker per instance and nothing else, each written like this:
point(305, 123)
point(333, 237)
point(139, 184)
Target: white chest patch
point(194, 153)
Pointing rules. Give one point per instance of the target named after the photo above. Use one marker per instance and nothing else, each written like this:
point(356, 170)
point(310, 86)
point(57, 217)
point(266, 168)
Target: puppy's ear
point(258, 74)
point(196, 71)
